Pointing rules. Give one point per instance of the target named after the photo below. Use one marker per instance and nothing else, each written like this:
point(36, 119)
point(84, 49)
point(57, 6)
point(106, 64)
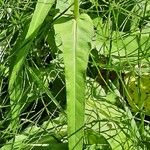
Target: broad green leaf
point(63, 5)
point(96, 140)
point(75, 36)
point(113, 123)
point(125, 50)
point(17, 143)
point(35, 138)
point(20, 53)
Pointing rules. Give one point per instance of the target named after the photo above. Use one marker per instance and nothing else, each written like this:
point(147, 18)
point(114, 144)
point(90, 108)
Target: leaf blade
point(76, 50)
point(19, 55)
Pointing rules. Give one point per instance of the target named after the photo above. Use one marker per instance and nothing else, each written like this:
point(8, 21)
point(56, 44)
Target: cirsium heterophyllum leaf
point(76, 35)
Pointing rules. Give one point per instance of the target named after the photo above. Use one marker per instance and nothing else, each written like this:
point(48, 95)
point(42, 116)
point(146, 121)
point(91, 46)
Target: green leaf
point(113, 123)
point(125, 50)
point(20, 52)
point(40, 13)
point(75, 36)
point(97, 140)
point(36, 138)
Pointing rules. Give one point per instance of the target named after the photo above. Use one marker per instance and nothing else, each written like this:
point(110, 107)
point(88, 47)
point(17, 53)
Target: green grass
point(65, 75)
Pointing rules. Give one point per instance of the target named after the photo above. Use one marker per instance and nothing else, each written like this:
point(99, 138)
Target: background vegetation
point(74, 74)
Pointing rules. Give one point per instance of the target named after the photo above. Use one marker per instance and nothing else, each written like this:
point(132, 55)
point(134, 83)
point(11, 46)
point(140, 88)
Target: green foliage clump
point(139, 92)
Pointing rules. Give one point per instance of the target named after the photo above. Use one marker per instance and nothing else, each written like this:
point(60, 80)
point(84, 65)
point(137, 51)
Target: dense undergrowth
point(75, 74)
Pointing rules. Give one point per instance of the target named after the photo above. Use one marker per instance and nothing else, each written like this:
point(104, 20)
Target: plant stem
point(76, 8)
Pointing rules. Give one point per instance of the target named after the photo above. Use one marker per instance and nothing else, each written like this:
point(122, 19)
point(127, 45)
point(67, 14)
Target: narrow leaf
point(40, 13)
point(19, 55)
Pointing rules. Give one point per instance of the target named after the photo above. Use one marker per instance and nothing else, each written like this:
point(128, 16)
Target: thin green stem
point(76, 8)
